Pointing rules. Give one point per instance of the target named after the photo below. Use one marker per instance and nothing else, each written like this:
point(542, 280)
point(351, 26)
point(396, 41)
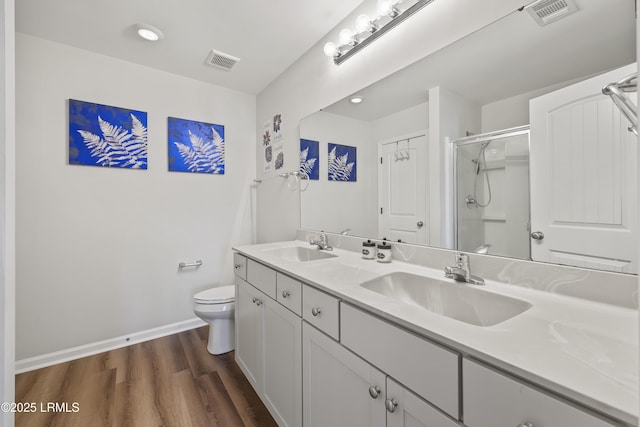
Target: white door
point(584, 178)
point(339, 388)
point(402, 190)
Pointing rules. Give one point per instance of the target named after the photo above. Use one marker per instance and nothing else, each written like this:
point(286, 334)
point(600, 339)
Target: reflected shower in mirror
point(512, 73)
point(492, 193)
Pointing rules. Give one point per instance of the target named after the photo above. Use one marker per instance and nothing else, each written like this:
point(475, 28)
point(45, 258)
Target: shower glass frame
point(477, 139)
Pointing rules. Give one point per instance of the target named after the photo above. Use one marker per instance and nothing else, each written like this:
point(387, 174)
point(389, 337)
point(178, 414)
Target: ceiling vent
point(221, 60)
point(546, 11)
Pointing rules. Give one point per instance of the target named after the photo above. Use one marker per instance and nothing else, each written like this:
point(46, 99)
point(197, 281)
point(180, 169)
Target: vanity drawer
point(428, 369)
point(321, 310)
point(289, 293)
point(240, 266)
point(262, 277)
point(493, 399)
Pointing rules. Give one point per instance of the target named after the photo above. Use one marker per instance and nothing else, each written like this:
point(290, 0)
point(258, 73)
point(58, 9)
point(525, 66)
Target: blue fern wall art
point(310, 158)
point(342, 162)
point(195, 146)
point(102, 135)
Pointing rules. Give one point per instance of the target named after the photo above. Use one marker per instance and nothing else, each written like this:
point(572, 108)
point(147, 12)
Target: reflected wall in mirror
point(501, 77)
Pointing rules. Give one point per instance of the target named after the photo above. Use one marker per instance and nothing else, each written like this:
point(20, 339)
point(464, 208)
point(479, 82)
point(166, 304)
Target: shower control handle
point(537, 235)
point(420, 224)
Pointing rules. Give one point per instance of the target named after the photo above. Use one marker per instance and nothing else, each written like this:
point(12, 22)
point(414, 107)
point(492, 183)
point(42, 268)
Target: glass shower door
point(492, 193)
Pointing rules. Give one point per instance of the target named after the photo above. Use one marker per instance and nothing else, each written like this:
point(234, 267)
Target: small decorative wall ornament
point(277, 121)
point(278, 142)
point(102, 135)
point(279, 160)
point(266, 144)
point(195, 146)
point(342, 162)
point(310, 158)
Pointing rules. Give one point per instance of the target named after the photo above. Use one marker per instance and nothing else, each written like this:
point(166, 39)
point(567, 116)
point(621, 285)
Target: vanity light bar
point(345, 50)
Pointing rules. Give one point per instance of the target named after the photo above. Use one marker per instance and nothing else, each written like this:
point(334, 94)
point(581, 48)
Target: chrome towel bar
point(196, 264)
point(626, 106)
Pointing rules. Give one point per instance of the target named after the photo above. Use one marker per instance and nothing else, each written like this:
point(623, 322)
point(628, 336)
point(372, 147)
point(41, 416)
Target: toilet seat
point(219, 295)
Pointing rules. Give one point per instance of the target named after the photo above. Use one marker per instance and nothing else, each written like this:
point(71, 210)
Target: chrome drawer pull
point(391, 405)
point(237, 266)
point(374, 391)
point(315, 311)
point(525, 425)
point(258, 301)
point(285, 294)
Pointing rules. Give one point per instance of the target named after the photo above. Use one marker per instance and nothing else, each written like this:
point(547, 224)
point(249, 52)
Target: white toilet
point(215, 306)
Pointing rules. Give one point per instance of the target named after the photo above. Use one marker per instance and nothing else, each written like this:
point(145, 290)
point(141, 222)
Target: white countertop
point(584, 350)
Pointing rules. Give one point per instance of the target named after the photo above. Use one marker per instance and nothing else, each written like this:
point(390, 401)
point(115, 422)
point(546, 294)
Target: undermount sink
point(454, 300)
point(299, 253)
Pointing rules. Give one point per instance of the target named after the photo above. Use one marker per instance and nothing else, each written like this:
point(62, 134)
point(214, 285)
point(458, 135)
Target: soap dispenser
point(384, 251)
point(368, 250)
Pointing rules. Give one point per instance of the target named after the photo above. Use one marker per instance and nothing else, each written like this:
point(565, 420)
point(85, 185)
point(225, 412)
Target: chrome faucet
point(322, 243)
point(461, 272)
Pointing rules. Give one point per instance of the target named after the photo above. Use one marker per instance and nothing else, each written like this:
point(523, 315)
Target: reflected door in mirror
point(402, 190)
point(584, 178)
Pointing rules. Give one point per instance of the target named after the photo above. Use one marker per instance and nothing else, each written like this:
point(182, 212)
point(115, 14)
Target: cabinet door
point(282, 389)
point(492, 399)
point(405, 409)
point(337, 385)
point(249, 332)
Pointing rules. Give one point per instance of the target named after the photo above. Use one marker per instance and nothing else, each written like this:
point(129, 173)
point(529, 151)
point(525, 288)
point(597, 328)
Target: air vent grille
point(222, 60)
point(547, 11)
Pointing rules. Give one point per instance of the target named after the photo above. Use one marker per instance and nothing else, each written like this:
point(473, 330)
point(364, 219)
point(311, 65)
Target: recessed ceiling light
point(356, 99)
point(149, 32)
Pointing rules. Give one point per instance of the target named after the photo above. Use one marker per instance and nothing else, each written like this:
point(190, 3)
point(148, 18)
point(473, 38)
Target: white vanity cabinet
point(249, 323)
point(427, 368)
point(492, 399)
point(269, 347)
point(318, 361)
point(340, 389)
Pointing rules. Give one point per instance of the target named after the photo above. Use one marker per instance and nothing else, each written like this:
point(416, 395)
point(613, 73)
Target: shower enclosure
point(491, 190)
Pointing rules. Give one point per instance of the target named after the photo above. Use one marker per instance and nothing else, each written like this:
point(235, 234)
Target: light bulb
point(330, 49)
point(363, 23)
point(385, 7)
point(346, 36)
point(356, 99)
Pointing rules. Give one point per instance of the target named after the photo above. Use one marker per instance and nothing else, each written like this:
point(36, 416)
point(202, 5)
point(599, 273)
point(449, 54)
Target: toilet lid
point(219, 295)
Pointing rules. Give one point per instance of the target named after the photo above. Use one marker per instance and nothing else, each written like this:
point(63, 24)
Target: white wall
point(98, 248)
point(7, 213)
point(335, 206)
point(314, 81)
point(450, 117)
point(411, 120)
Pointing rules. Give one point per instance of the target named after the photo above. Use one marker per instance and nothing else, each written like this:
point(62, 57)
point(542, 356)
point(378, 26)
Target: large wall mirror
point(501, 143)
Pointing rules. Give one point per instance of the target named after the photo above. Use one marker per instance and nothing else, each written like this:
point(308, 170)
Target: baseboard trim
point(73, 353)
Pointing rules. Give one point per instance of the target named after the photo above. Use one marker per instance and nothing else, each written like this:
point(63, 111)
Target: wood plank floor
point(170, 381)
